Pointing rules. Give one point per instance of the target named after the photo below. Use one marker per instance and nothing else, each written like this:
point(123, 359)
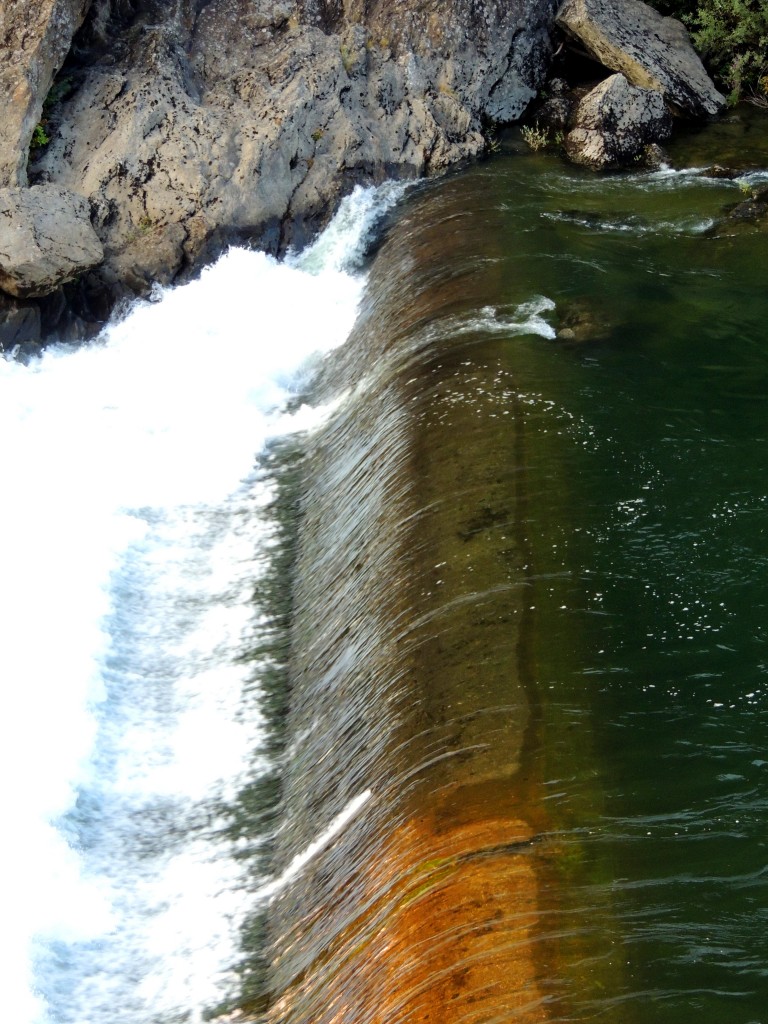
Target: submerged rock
point(718, 171)
point(615, 123)
point(46, 239)
point(750, 210)
point(582, 322)
point(748, 216)
point(651, 51)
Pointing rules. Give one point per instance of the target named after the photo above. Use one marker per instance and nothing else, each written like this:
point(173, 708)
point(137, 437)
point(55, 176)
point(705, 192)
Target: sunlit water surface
point(647, 455)
point(556, 691)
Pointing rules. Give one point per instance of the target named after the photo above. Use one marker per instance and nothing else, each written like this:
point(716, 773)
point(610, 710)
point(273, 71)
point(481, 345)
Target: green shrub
point(534, 136)
point(732, 37)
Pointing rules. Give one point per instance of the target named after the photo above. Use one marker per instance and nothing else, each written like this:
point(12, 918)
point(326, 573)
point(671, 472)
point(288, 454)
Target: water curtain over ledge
point(414, 695)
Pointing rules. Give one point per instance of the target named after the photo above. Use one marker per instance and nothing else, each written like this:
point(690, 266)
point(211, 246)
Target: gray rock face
point(555, 113)
point(651, 51)
point(614, 123)
point(192, 124)
point(19, 324)
point(195, 125)
point(34, 40)
point(46, 239)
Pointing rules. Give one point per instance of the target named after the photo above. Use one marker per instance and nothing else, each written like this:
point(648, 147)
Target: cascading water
point(411, 670)
point(475, 616)
point(134, 529)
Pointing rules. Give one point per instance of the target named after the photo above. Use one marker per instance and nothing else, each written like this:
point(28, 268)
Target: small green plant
point(60, 89)
point(535, 136)
point(490, 133)
point(40, 137)
point(318, 134)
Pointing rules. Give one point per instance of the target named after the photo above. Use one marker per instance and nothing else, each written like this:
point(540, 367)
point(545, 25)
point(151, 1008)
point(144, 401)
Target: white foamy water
point(526, 318)
point(132, 528)
point(300, 860)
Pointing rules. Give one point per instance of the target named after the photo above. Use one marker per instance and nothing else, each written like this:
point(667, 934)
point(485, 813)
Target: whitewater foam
point(271, 889)
point(132, 526)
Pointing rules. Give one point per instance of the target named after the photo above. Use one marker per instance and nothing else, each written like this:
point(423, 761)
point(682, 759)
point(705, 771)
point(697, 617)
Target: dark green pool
point(653, 556)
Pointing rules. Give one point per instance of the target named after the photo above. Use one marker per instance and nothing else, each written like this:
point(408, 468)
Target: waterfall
point(134, 528)
point(417, 678)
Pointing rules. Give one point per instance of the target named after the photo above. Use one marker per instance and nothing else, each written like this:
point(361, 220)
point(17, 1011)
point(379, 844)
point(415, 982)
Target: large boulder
point(35, 39)
point(615, 123)
point(46, 239)
point(650, 50)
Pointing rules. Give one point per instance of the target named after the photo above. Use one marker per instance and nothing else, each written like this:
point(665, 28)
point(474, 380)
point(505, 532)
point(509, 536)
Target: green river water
point(649, 530)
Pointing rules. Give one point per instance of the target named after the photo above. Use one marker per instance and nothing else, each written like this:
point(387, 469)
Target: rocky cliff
point(188, 124)
point(140, 137)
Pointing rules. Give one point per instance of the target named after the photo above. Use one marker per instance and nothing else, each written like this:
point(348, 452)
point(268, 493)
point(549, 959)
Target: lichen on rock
point(651, 51)
point(614, 123)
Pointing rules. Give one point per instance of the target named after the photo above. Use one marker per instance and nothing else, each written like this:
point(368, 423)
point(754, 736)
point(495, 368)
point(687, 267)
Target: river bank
point(140, 139)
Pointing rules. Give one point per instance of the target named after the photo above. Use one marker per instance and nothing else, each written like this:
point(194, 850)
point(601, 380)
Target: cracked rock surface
point(46, 239)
